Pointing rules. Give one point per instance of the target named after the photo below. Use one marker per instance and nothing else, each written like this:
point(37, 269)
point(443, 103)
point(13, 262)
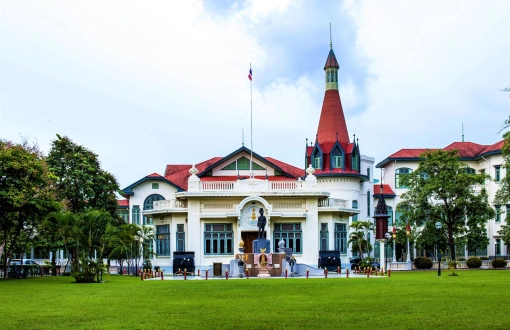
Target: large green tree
point(442, 190)
point(26, 196)
point(80, 181)
point(358, 238)
point(503, 193)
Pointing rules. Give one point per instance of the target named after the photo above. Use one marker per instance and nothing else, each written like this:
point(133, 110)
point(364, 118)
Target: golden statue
point(262, 250)
point(263, 259)
point(241, 243)
point(253, 216)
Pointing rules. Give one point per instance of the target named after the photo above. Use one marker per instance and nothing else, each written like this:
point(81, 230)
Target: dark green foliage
point(462, 259)
point(80, 181)
point(440, 190)
point(423, 263)
point(484, 258)
point(498, 263)
point(26, 196)
point(474, 262)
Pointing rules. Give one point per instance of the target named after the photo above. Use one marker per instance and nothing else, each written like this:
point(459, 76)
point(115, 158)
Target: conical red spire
point(332, 120)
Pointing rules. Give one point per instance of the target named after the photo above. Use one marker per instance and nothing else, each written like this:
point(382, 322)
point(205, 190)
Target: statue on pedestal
point(261, 223)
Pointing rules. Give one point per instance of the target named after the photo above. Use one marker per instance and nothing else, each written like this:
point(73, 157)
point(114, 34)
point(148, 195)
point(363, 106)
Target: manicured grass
point(476, 299)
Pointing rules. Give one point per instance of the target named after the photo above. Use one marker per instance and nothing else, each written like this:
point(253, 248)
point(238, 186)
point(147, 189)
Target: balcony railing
point(333, 202)
point(248, 185)
point(169, 204)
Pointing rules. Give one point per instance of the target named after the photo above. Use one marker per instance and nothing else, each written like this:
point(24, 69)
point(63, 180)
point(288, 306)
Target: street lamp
point(408, 259)
point(439, 225)
point(388, 236)
point(394, 234)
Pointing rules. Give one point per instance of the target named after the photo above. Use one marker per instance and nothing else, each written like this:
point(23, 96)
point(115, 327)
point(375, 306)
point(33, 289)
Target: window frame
point(219, 242)
point(341, 237)
point(163, 241)
point(293, 238)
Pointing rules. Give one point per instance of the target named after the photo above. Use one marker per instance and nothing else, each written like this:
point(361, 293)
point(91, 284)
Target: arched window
point(368, 173)
point(148, 204)
point(470, 170)
point(398, 173)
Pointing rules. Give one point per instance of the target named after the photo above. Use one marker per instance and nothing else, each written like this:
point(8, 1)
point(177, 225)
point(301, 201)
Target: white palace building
point(208, 208)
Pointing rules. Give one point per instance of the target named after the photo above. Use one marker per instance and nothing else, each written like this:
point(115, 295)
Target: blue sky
point(145, 84)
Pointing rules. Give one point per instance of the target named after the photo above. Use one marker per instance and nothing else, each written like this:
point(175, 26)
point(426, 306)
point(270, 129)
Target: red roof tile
point(466, 149)
point(290, 169)
point(123, 202)
point(409, 153)
point(179, 174)
point(495, 147)
point(386, 190)
point(154, 175)
point(332, 120)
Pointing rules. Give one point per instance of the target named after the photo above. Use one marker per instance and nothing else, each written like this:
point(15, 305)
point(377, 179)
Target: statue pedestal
point(261, 243)
point(263, 262)
point(264, 271)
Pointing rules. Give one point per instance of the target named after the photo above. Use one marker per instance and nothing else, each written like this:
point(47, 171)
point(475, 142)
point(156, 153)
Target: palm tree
point(145, 236)
point(358, 237)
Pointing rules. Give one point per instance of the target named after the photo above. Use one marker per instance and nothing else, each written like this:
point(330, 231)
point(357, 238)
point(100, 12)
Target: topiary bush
point(462, 259)
point(498, 263)
point(484, 258)
point(423, 263)
point(474, 262)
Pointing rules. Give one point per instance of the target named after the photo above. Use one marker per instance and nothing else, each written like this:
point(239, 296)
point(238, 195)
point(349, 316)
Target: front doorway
point(248, 237)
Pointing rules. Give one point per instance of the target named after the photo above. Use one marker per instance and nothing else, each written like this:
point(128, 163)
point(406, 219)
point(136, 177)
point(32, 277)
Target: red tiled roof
point(331, 61)
point(179, 174)
point(386, 190)
point(409, 153)
point(332, 120)
point(154, 175)
point(122, 202)
point(290, 169)
point(495, 147)
point(466, 149)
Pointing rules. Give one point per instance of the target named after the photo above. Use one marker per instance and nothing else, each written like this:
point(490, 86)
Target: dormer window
point(317, 159)
point(355, 162)
point(243, 163)
point(337, 158)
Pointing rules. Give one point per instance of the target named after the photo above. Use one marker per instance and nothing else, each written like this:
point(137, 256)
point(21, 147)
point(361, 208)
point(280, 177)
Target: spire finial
point(330, 39)
point(336, 136)
point(462, 132)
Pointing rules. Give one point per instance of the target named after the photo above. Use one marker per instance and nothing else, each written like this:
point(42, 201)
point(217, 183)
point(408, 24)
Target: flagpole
point(251, 129)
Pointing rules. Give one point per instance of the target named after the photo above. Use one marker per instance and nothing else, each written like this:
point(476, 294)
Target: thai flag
point(249, 74)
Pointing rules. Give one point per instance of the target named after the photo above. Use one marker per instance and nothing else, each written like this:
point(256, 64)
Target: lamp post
point(439, 225)
point(394, 234)
point(408, 234)
point(388, 236)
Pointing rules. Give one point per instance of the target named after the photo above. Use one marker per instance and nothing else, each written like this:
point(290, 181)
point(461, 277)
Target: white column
point(311, 232)
point(196, 244)
point(382, 256)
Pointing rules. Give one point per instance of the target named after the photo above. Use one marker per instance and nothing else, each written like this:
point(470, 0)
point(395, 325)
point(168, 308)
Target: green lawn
point(476, 299)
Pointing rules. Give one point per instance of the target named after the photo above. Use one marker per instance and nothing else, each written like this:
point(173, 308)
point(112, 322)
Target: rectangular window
point(498, 213)
point(497, 176)
point(498, 246)
point(337, 161)
point(163, 240)
point(398, 173)
point(368, 203)
point(291, 234)
point(218, 239)
point(155, 185)
point(317, 162)
point(478, 253)
point(341, 237)
point(180, 239)
point(136, 215)
point(147, 221)
point(323, 239)
point(390, 214)
point(124, 215)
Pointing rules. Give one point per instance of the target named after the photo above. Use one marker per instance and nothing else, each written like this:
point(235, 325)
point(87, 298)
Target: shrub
point(484, 258)
point(423, 263)
point(462, 259)
point(474, 262)
point(498, 263)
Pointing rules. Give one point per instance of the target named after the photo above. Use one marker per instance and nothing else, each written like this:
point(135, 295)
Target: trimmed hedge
point(498, 263)
point(484, 258)
point(423, 263)
point(474, 262)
